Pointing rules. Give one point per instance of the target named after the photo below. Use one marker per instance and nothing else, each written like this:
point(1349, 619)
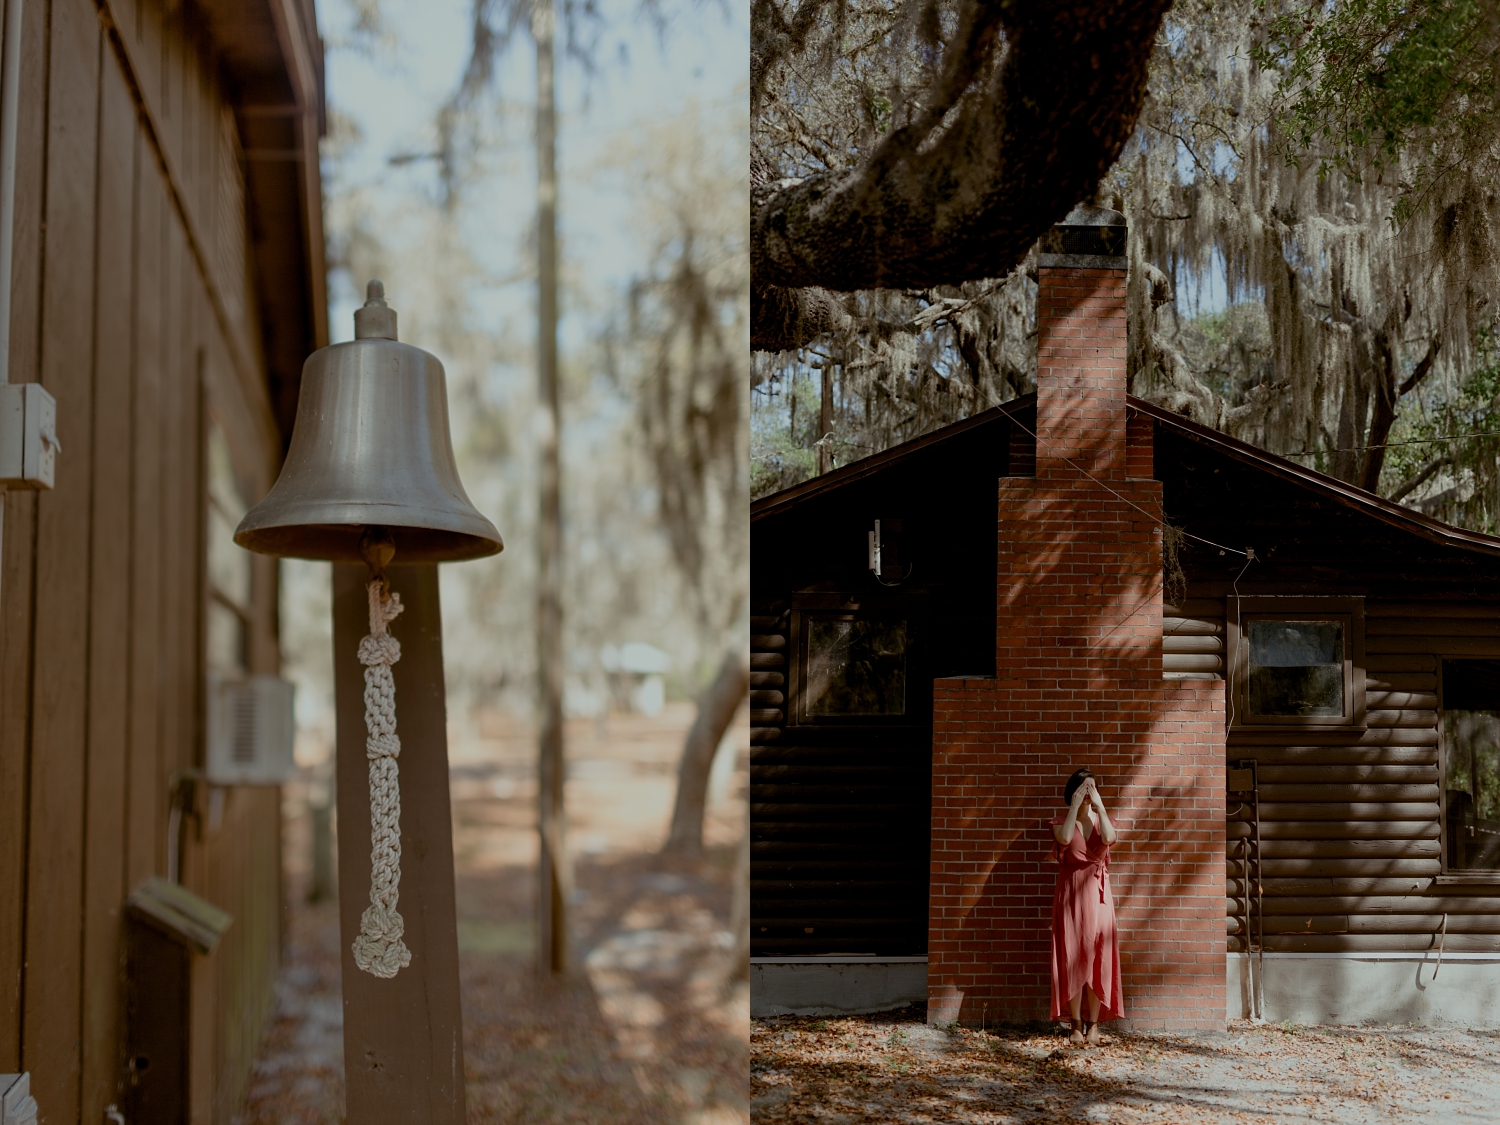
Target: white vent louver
point(250, 731)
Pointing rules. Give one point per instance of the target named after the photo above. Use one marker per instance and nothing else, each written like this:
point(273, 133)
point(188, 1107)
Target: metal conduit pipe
point(1244, 780)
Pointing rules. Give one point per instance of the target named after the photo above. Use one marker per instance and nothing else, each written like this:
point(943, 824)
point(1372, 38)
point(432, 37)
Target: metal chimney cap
point(1086, 216)
point(1087, 238)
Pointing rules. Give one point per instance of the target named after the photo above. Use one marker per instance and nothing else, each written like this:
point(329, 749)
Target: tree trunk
point(1382, 410)
point(1033, 105)
point(716, 708)
point(739, 914)
point(1385, 411)
point(825, 422)
point(552, 871)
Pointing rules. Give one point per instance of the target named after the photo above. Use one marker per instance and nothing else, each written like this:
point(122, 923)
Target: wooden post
point(403, 1037)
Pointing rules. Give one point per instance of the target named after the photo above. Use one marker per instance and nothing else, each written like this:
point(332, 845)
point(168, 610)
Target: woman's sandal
point(1091, 1037)
point(1077, 1039)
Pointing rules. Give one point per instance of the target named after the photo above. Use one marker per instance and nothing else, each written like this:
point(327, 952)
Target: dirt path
point(893, 1068)
point(649, 1030)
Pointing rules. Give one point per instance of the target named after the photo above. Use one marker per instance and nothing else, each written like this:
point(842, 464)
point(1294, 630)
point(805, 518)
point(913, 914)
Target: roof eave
point(788, 498)
point(1357, 499)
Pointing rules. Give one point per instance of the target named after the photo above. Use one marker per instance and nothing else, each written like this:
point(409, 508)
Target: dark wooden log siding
point(1349, 820)
point(841, 818)
point(133, 305)
point(840, 821)
point(768, 673)
point(1192, 640)
point(839, 847)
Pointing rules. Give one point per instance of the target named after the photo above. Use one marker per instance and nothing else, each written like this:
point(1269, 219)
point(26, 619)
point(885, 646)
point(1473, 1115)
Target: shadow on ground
point(649, 1029)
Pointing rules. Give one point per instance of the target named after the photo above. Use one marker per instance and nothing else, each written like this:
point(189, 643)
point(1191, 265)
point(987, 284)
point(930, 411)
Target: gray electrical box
point(17, 1106)
point(28, 436)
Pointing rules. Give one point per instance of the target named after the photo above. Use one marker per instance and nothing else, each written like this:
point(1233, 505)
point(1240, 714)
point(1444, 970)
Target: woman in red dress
point(1085, 942)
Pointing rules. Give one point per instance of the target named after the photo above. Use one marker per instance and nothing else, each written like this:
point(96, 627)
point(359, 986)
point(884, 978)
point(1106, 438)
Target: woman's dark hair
point(1073, 783)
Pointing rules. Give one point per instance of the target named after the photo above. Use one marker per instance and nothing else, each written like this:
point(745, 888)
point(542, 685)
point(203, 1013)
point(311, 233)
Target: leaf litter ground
point(891, 1067)
point(651, 1029)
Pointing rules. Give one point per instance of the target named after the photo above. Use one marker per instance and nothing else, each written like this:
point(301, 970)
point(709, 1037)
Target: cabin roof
point(1319, 484)
point(789, 498)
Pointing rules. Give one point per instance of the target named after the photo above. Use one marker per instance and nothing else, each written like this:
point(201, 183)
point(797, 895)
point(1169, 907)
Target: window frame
point(1350, 610)
point(213, 595)
point(1467, 876)
point(854, 607)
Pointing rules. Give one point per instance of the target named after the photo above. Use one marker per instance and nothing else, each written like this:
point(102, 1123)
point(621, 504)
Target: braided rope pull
point(378, 949)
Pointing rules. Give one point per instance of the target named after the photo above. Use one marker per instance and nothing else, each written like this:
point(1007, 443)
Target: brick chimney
point(1078, 683)
point(1080, 358)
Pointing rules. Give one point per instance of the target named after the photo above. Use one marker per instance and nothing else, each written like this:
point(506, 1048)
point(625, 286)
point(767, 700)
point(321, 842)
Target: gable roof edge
point(788, 498)
point(1349, 496)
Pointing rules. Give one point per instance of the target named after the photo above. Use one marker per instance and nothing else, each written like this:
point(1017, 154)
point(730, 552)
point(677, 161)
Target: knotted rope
point(379, 949)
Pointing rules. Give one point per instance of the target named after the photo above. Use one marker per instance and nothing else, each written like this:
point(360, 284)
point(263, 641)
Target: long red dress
point(1085, 942)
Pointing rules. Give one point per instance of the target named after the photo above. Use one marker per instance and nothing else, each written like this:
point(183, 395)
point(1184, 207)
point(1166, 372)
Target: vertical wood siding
point(131, 306)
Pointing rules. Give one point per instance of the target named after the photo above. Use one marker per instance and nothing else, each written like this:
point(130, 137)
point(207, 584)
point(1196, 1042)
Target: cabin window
point(1294, 668)
point(1473, 790)
point(853, 667)
point(1294, 662)
point(1471, 765)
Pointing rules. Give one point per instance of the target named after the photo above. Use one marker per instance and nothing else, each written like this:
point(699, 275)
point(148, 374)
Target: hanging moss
point(1174, 581)
point(1353, 301)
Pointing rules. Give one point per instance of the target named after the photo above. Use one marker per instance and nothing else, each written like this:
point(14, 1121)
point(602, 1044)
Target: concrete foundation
point(834, 986)
point(1369, 988)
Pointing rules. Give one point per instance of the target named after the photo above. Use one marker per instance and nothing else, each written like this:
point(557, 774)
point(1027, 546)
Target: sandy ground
point(893, 1068)
point(650, 1028)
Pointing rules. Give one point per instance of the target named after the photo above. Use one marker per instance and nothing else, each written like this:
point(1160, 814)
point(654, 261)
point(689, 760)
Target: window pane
point(227, 642)
point(228, 565)
point(856, 667)
point(1473, 746)
point(1296, 668)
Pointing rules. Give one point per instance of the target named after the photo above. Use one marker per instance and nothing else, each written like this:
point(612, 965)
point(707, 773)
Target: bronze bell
point(370, 449)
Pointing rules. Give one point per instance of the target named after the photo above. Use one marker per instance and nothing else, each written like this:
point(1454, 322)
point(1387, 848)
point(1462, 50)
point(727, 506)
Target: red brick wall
point(1078, 683)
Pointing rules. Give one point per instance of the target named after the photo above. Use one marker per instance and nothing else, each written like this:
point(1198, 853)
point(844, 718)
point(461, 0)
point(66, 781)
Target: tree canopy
point(1320, 175)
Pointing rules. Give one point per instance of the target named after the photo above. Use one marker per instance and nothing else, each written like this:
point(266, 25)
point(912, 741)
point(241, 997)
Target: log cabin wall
point(1350, 819)
point(841, 815)
point(1351, 825)
point(137, 304)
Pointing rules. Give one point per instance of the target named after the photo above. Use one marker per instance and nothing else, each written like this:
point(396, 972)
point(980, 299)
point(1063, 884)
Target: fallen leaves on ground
point(651, 1028)
point(892, 1067)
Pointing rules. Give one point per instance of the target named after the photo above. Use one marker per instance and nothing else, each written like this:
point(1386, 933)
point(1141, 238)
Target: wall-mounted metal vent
point(251, 730)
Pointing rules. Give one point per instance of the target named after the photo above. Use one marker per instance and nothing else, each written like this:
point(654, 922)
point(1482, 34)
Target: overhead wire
point(1158, 520)
point(1248, 555)
point(1393, 444)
